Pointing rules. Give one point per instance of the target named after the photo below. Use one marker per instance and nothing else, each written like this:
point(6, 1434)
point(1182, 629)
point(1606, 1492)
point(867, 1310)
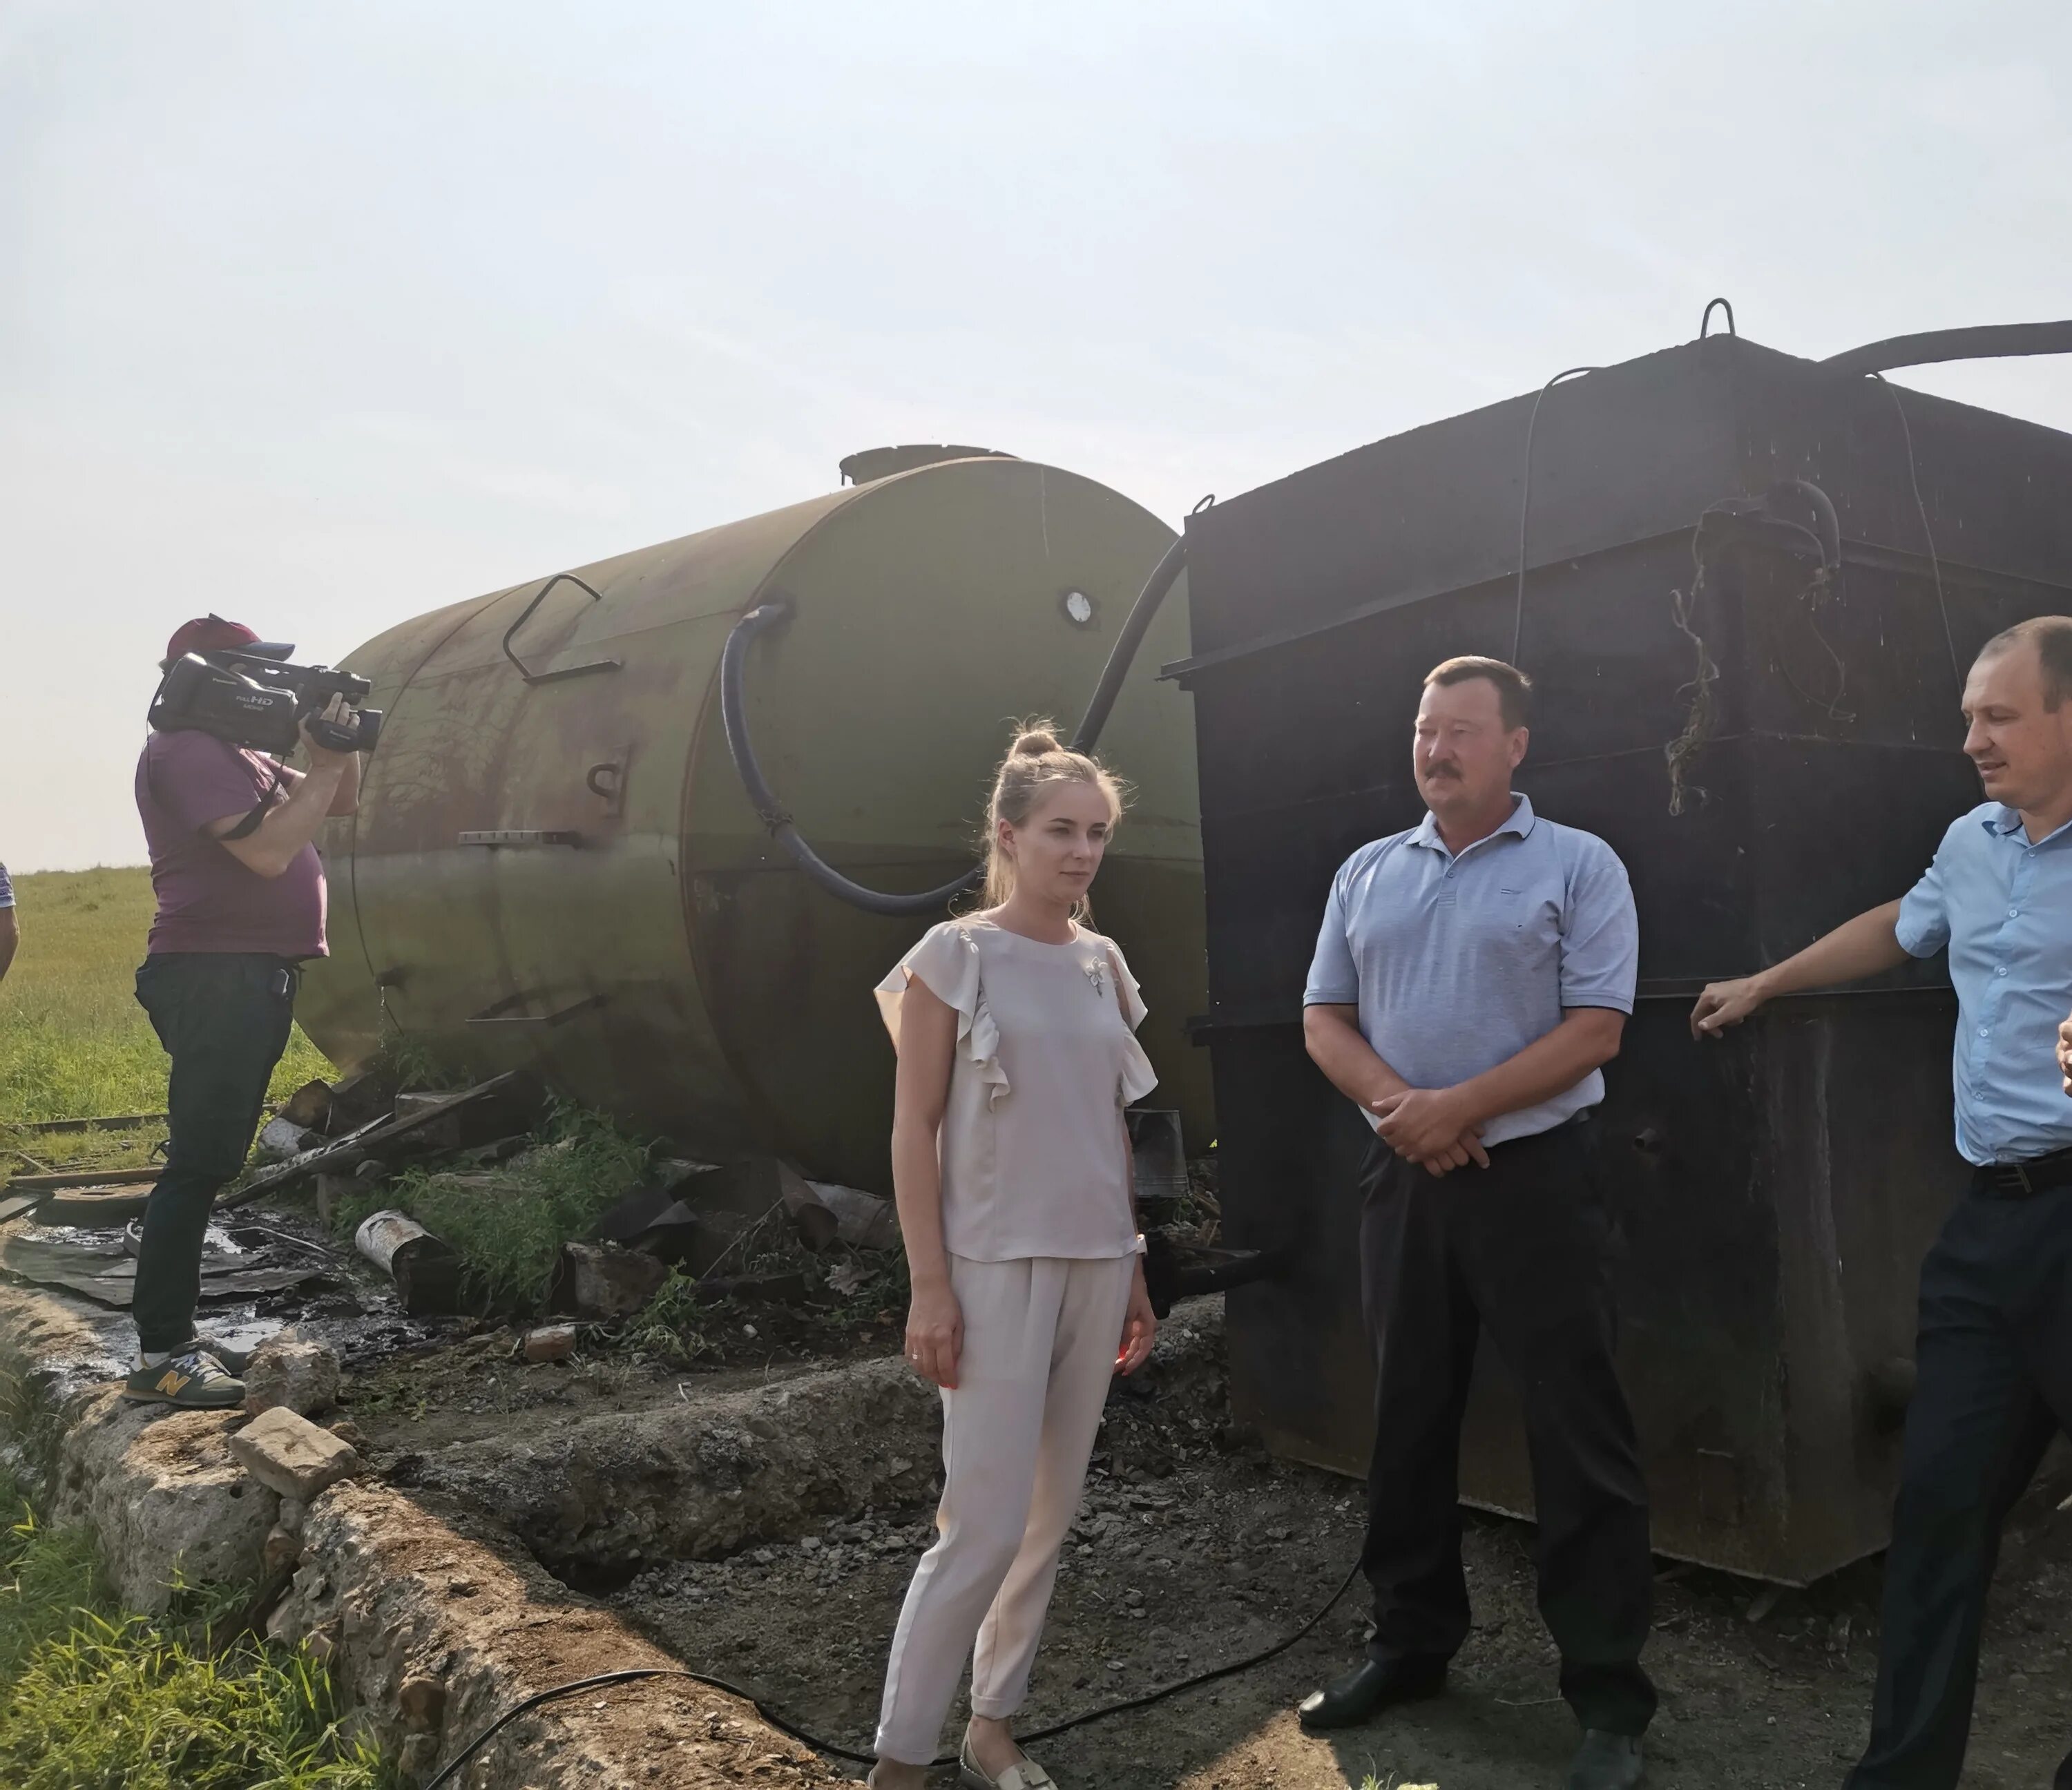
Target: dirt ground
point(1195, 1548)
point(1191, 1552)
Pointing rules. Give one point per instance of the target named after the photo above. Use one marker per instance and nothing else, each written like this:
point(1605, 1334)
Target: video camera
point(252, 696)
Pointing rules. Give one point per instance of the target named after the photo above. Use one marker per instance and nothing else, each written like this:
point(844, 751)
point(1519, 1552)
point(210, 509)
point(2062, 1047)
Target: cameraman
point(240, 904)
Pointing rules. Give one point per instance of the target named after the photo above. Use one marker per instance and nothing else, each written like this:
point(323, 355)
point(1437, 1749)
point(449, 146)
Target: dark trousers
point(1523, 1248)
point(224, 1018)
point(1995, 1361)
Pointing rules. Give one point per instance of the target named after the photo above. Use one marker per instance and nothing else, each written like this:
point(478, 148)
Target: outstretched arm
point(1856, 949)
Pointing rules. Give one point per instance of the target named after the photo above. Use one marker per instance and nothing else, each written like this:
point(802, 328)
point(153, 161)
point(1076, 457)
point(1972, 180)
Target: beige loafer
point(1026, 1774)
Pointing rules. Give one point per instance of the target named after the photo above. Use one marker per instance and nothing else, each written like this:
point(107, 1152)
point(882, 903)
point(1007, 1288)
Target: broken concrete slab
point(166, 1498)
point(672, 1482)
point(289, 1371)
point(601, 1280)
point(291, 1456)
point(435, 1629)
point(553, 1342)
point(389, 1592)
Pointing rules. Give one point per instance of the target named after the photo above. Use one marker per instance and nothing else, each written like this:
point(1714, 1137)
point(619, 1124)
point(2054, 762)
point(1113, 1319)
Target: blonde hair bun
point(1034, 742)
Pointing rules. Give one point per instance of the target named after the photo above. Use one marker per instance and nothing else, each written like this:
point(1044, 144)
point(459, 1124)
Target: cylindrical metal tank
point(554, 863)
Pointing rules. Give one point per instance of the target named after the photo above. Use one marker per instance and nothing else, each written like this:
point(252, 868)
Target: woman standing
point(1016, 1031)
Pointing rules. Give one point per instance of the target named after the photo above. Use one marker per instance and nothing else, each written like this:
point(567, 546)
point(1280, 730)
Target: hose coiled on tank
point(776, 610)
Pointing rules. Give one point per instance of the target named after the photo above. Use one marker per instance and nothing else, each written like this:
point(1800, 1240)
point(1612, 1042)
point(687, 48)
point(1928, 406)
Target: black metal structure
point(1777, 1190)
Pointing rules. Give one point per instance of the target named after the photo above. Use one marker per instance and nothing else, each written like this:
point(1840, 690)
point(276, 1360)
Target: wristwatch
point(1140, 1243)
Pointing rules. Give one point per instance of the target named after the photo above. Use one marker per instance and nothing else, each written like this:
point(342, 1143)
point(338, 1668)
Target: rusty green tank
point(554, 863)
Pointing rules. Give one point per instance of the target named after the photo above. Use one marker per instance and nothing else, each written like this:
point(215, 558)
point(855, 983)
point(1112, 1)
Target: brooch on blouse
point(1097, 974)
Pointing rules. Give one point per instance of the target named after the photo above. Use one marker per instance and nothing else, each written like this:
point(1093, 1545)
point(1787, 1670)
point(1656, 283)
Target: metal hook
point(566, 671)
point(1705, 322)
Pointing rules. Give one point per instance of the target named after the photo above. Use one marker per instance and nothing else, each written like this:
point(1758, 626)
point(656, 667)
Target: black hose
point(1983, 341)
point(627, 1676)
point(733, 715)
point(776, 610)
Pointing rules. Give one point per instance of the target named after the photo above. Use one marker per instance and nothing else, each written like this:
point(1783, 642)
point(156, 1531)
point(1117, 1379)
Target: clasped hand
point(1427, 1126)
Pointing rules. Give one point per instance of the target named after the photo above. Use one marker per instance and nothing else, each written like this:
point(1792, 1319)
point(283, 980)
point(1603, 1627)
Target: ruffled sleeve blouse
point(1032, 1139)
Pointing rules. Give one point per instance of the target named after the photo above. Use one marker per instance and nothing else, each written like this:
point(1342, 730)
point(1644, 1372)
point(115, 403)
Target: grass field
point(90, 1696)
point(73, 1041)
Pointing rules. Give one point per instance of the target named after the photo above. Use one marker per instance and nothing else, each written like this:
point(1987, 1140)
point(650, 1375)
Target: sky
point(321, 316)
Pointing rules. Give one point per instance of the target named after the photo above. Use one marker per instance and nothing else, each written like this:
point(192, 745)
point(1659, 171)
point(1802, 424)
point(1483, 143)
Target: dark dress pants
point(1523, 1249)
point(1995, 1384)
point(224, 1017)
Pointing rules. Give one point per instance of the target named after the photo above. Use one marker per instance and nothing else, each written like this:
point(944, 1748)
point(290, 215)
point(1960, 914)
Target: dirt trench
point(526, 1524)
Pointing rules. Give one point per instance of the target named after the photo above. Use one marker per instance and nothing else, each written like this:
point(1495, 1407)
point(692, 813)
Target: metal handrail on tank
point(777, 609)
point(539, 597)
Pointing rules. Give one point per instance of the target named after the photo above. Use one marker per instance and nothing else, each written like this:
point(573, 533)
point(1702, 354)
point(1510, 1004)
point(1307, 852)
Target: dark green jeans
point(224, 1017)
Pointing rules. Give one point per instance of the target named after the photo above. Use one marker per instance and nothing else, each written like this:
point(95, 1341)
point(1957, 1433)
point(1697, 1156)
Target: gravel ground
point(1194, 1549)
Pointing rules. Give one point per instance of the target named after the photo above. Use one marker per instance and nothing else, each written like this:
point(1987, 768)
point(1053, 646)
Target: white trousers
point(1040, 1335)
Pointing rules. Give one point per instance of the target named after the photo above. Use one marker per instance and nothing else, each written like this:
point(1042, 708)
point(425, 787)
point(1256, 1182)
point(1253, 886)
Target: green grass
point(508, 1223)
point(91, 1698)
point(74, 1043)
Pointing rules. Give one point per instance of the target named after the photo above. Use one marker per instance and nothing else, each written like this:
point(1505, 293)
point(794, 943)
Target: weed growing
point(508, 1223)
point(89, 1695)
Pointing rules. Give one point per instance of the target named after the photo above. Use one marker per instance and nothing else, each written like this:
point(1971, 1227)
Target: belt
point(2022, 1181)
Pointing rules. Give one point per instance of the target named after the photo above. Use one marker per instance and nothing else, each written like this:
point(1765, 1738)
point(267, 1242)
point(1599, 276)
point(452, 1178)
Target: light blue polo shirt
point(1457, 964)
point(2003, 907)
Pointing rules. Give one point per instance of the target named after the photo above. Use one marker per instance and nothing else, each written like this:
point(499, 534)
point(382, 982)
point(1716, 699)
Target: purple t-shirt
point(207, 900)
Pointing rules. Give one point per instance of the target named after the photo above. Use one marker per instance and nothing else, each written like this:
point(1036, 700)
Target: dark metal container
point(1774, 1191)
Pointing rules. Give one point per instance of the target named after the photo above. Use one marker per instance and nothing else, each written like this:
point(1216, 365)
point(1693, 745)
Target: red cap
point(208, 633)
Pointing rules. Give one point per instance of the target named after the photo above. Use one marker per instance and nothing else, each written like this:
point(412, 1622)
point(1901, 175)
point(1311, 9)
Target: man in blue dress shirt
point(1994, 1353)
point(1472, 976)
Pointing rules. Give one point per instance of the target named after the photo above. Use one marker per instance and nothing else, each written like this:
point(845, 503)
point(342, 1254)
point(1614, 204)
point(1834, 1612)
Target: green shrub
point(509, 1224)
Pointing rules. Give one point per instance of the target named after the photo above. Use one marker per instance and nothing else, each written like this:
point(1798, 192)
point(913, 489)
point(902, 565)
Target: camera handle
point(539, 596)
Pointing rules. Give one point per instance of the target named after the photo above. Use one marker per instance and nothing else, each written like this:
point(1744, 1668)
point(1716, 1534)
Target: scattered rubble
point(601, 1280)
point(553, 1342)
point(288, 1370)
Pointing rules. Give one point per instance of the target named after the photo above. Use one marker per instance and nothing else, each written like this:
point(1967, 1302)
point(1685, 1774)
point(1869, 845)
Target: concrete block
point(289, 1455)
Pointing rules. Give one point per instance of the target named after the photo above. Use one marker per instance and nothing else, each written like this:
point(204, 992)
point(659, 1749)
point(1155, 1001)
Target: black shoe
point(1369, 1688)
point(1606, 1762)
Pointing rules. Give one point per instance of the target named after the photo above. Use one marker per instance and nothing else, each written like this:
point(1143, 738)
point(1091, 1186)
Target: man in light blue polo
point(1994, 1352)
point(1472, 976)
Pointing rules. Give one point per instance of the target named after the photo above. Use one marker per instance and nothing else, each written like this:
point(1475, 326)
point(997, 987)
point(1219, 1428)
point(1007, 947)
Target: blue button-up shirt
point(1457, 964)
point(2003, 907)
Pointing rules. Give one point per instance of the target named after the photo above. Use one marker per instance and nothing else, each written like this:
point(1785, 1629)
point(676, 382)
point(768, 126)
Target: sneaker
point(191, 1378)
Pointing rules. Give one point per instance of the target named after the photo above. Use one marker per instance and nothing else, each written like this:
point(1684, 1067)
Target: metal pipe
point(1982, 342)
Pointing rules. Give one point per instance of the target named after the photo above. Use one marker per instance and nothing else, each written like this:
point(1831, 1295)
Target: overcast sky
point(321, 316)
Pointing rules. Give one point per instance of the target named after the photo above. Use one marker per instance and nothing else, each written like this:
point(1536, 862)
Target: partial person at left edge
point(11, 926)
point(240, 890)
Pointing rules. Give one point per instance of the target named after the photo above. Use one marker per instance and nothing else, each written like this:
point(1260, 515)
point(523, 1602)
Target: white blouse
point(1032, 1140)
